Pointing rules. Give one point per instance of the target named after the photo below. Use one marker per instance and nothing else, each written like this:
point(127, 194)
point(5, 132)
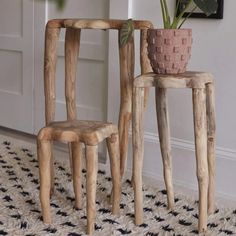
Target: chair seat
point(88, 132)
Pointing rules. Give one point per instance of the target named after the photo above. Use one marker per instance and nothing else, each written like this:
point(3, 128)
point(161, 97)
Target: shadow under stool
point(203, 99)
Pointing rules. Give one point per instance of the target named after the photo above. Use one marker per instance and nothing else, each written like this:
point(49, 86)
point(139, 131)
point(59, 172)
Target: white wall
point(214, 50)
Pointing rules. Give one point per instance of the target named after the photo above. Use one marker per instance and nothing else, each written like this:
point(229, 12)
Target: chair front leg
point(76, 151)
point(52, 171)
point(44, 158)
point(114, 154)
point(92, 168)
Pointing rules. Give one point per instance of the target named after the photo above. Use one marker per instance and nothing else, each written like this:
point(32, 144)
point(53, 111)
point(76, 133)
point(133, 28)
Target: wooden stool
point(75, 132)
point(204, 128)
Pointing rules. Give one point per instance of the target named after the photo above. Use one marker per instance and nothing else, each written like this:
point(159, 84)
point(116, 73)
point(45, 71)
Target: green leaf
point(207, 6)
point(126, 32)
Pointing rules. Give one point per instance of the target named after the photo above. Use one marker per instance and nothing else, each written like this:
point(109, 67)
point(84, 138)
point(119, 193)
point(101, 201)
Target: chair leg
point(124, 123)
point(92, 166)
point(76, 151)
point(164, 136)
point(210, 98)
point(44, 159)
point(114, 154)
point(138, 151)
point(71, 158)
point(52, 171)
point(200, 131)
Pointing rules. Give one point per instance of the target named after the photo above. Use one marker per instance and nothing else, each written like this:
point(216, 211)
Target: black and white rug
point(20, 212)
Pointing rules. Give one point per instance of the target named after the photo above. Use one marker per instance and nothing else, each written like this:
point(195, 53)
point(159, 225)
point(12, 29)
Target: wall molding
point(183, 144)
point(224, 155)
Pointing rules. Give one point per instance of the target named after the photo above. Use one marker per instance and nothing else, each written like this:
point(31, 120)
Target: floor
point(61, 152)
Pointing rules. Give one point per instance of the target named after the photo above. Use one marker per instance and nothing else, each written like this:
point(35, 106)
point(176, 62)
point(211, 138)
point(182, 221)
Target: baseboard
point(184, 166)
point(188, 145)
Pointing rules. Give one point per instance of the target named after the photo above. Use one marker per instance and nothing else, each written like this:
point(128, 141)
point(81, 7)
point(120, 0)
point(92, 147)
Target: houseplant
point(169, 48)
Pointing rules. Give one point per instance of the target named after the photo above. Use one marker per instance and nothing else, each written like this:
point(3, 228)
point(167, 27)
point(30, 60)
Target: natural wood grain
point(72, 41)
point(88, 132)
point(144, 60)
point(73, 131)
point(126, 67)
point(164, 137)
point(91, 153)
point(96, 23)
point(44, 156)
point(211, 123)
point(76, 149)
point(52, 171)
point(50, 60)
point(189, 79)
point(126, 55)
point(200, 132)
point(138, 151)
point(204, 115)
point(114, 154)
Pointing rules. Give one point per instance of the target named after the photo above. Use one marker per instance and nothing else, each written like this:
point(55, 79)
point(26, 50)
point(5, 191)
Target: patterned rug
point(20, 209)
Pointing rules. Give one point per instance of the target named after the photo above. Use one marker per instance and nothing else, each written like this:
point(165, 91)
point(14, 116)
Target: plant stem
point(177, 20)
point(167, 14)
point(163, 13)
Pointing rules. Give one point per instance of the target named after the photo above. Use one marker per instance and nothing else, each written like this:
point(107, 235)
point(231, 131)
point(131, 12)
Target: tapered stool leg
point(210, 97)
point(138, 152)
point(200, 131)
point(76, 151)
point(44, 159)
point(114, 154)
point(52, 171)
point(92, 167)
point(164, 136)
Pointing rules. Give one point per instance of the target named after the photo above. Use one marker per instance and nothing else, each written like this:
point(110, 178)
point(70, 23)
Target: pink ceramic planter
point(169, 50)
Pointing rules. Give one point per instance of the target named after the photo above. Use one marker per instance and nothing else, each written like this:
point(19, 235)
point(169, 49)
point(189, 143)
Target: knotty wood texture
point(90, 133)
point(202, 85)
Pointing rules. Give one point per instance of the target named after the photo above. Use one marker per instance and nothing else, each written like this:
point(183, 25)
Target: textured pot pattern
point(169, 50)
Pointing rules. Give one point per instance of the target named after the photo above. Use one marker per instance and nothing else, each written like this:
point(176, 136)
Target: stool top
point(189, 79)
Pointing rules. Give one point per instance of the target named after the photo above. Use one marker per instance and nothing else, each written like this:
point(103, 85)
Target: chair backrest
point(72, 43)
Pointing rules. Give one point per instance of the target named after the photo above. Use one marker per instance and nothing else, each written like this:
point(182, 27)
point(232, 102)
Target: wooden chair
point(88, 132)
point(202, 86)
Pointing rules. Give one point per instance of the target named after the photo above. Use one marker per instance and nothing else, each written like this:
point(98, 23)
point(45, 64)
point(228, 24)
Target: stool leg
point(138, 151)
point(211, 145)
point(52, 171)
point(92, 166)
point(76, 167)
point(200, 131)
point(44, 159)
point(164, 136)
point(114, 154)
